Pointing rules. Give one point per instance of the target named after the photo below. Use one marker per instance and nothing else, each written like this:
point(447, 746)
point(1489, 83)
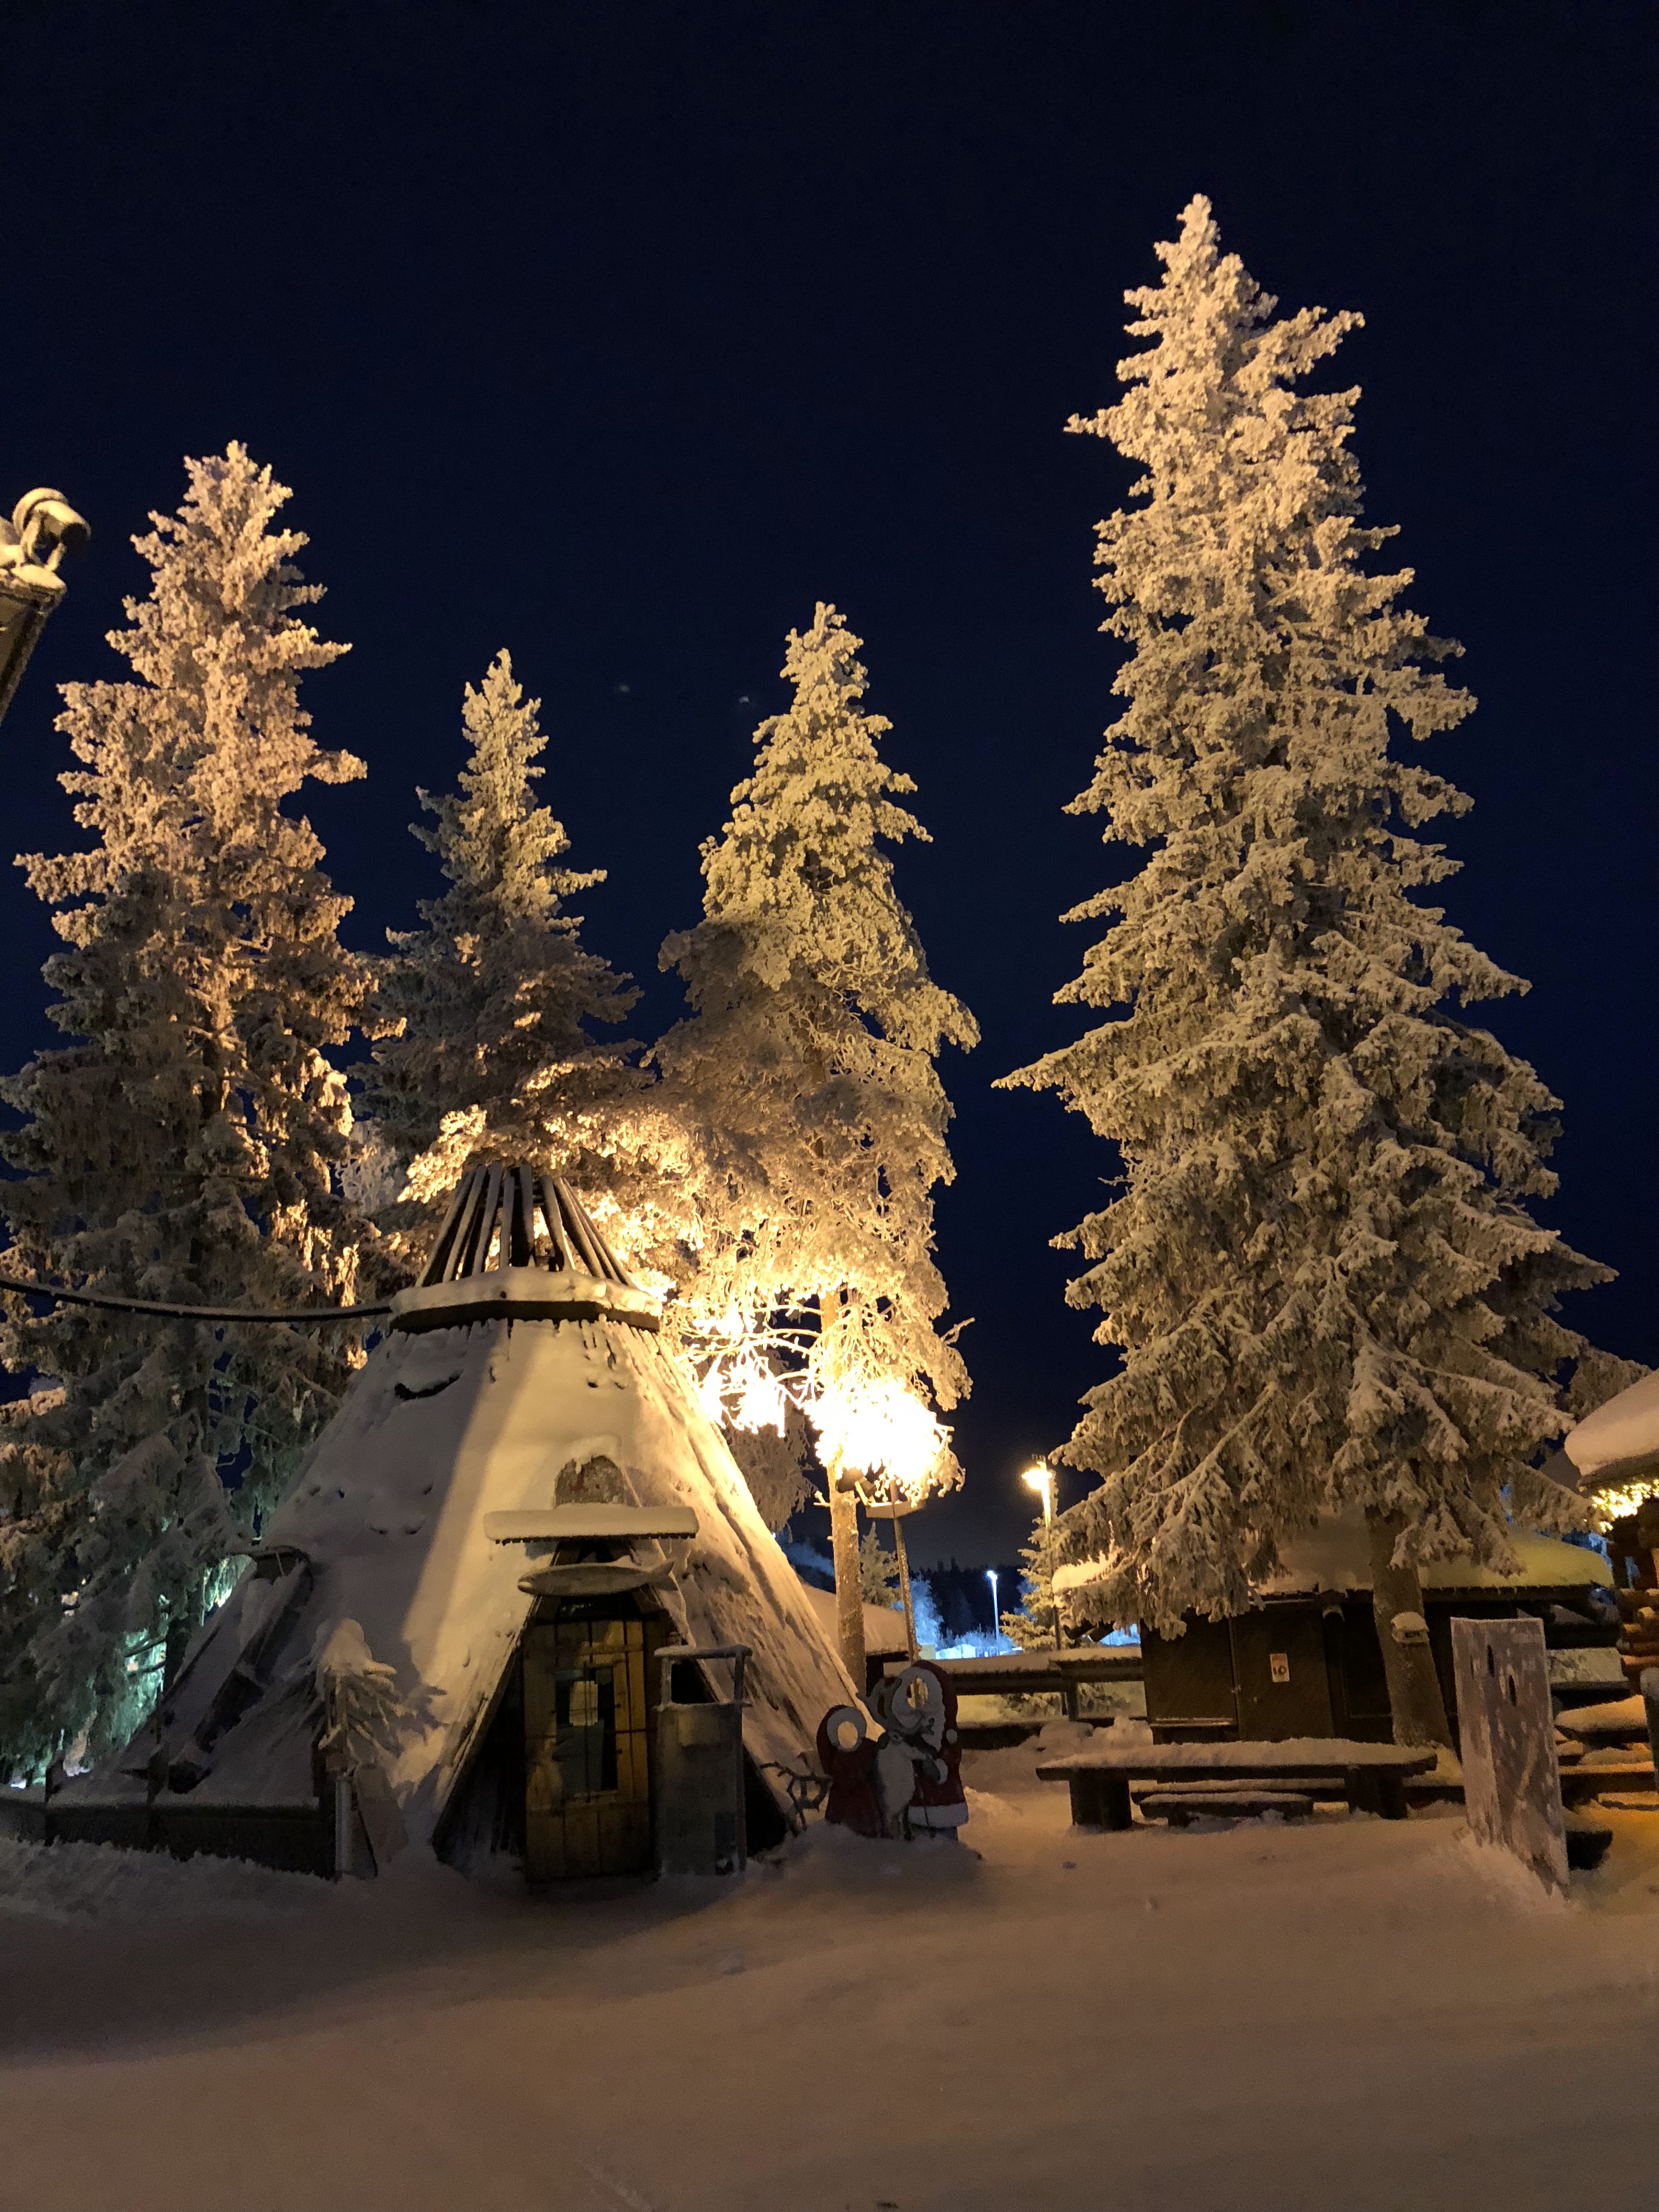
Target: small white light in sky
point(624, 687)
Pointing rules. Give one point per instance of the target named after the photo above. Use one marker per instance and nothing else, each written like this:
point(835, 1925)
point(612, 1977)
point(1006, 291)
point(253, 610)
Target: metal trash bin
point(699, 1808)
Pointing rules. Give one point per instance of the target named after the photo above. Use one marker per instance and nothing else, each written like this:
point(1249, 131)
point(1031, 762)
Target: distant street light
point(1041, 1476)
point(43, 527)
point(996, 1617)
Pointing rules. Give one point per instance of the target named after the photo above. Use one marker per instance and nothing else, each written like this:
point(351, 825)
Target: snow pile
point(1313, 2014)
point(823, 1858)
point(1500, 1876)
point(98, 1881)
point(1058, 1737)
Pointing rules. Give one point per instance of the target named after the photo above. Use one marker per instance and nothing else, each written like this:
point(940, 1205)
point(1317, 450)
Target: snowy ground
point(1351, 2014)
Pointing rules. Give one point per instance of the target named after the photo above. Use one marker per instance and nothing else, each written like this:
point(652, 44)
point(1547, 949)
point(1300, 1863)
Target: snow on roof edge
point(1334, 1556)
point(1620, 1438)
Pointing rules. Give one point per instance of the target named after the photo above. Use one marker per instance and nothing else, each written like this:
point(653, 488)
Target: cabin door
point(587, 1781)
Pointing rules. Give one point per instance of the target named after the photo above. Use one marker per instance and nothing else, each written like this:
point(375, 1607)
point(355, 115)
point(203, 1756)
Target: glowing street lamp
point(996, 1617)
point(43, 527)
point(1042, 1478)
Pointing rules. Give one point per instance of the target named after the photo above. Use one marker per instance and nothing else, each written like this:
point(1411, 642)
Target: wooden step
point(1179, 1806)
point(1588, 1841)
point(1589, 1780)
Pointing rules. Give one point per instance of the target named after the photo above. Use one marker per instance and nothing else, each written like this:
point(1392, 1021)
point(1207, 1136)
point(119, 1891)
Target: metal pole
point(342, 1826)
point(904, 1585)
point(1049, 1531)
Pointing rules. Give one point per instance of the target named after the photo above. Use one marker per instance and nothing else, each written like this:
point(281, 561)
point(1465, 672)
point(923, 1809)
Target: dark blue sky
point(619, 335)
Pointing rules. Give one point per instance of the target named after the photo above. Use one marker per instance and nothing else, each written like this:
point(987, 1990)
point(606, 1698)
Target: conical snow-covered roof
point(520, 1383)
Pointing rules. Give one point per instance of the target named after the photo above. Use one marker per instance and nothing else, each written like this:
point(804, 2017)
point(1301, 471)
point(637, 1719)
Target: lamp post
point(996, 1617)
point(894, 1509)
point(43, 527)
point(1042, 1478)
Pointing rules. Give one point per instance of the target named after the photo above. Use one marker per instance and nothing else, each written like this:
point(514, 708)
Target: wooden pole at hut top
point(904, 1586)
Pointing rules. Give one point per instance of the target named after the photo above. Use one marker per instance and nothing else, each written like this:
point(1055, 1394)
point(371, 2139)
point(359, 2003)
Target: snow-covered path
point(1353, 2014)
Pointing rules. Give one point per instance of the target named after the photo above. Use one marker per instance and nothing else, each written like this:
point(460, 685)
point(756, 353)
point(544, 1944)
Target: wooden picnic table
point(1372, 1774)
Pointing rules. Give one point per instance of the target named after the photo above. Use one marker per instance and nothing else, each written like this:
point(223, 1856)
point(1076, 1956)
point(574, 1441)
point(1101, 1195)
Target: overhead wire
point(301, 1315)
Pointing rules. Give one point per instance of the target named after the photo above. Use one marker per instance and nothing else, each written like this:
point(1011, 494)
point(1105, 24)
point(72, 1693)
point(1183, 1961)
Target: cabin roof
point(1335, 1556)
point(1620, 1441)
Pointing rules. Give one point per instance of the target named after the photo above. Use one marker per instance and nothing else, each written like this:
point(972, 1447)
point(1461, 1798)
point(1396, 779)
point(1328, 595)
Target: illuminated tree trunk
point(1415, 1699)
point(849, 1586)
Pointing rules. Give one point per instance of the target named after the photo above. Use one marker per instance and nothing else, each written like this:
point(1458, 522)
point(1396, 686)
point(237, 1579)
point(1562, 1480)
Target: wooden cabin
point(1305, 1659)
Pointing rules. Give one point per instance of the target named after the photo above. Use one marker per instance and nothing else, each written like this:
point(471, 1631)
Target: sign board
point(1511, 1782)
point(1279, 1666)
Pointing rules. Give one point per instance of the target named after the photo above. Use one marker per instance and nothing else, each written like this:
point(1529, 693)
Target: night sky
point(620, 334)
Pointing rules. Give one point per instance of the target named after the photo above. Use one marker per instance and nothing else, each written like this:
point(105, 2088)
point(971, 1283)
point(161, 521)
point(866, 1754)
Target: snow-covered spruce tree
point(804, 1077)
point(1598, 1377)
point(184, 1145)
point(879, 1572)
point(483, 1049)
point(1321, 1270)
point(775, 1463)
point(1033, 1623)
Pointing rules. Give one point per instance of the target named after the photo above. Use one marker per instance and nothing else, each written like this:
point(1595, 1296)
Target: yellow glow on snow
point(741, 1384)
point(1615, 1504)
point(864, 1425)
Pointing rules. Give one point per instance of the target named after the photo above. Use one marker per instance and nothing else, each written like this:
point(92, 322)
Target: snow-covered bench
point(1602, 1747)
point(1618, 1720)
point(1373, 1774)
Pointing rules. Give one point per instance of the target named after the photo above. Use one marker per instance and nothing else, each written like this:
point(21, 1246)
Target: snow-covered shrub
point(362, 1708)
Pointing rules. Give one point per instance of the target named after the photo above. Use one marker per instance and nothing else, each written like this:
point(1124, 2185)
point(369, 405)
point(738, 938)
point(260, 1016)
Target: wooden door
point(1188, 1682)
point(587, 1779)
point(1278, 1664)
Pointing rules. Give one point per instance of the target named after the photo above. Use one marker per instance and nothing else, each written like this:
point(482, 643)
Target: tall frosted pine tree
point(806, 1074)
point(484, 1049)
point(1320, 1269)
point(184, 1144)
